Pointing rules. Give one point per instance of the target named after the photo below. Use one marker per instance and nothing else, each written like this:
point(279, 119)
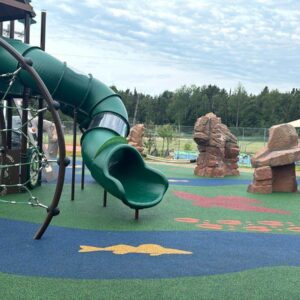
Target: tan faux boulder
point(218, 148)
point(281, 136)
point(263, 173)
point(284, 178)
point(275, 164)
point(135, 137)
point(260, 189)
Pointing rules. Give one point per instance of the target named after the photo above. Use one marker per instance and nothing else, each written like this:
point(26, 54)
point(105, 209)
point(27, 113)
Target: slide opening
point(143, 186)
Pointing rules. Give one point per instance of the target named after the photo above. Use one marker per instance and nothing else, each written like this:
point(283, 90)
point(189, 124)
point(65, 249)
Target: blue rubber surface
point(56, 255)
point(172, 180)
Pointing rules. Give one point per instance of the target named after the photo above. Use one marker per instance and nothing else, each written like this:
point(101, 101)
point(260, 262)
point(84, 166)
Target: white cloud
point(92, 3)
point(68, 9)
point(120, 13)
point(218, 42)
point(152, 25)
point(197, 4)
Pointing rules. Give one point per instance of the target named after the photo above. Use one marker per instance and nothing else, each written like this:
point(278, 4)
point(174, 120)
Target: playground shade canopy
point(15, 10)
point(295, 123)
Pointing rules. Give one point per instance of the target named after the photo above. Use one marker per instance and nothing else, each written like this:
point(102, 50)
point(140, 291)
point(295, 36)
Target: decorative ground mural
point(283, 223)
point(151, 249)
point(238, 225)
point(229, 202)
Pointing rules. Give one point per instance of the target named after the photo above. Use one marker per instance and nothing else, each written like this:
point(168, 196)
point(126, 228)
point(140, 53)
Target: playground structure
point(33, 75)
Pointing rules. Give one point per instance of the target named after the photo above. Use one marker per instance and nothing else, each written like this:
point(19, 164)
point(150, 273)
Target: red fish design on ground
point(229, 202)
point(235, 225)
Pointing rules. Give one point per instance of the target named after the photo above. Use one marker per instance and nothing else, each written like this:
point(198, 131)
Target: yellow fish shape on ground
point(151, 249)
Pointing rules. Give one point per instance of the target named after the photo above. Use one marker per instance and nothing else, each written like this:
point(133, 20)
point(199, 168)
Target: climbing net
point(32, 160)
point(38, 160)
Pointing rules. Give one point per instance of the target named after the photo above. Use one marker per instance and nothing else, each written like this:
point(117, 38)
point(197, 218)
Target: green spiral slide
point(115, 165)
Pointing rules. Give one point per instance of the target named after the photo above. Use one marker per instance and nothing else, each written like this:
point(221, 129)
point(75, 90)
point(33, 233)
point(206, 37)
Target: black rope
point(33, 201)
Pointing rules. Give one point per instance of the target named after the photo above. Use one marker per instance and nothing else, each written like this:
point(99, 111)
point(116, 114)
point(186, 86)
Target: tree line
point(236, 108)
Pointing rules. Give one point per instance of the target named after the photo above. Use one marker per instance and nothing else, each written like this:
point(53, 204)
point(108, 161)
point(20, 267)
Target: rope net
point(35, 162)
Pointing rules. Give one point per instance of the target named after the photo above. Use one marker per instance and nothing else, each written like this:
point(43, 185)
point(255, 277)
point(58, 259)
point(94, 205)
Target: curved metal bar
point(52, 210)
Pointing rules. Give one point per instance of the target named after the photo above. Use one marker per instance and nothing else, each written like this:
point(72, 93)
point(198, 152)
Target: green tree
point(237, 101)
point(180, 105)
point(166, 132)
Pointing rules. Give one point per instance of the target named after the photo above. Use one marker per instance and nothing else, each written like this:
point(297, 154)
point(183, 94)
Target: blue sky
point(157, 45)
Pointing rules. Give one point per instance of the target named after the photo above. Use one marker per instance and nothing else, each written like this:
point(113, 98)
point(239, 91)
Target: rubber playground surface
point(208, 239)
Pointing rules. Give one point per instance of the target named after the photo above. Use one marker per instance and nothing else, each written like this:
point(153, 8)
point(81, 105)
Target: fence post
point(265, 135)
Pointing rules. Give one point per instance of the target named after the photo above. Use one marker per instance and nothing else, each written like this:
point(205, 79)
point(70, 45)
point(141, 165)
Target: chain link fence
point(250, 140)
point(180, 143)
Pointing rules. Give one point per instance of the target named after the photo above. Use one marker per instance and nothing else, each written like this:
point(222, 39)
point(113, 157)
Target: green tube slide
point(115, 165)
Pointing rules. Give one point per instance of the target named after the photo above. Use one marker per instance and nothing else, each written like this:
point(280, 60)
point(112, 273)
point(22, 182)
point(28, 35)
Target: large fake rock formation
point(135, 137)
point(218, 148)
point(275, 164)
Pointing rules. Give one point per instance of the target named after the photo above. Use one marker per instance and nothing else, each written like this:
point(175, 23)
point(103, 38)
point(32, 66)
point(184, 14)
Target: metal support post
point(105, 198)
point(9, 121)
point(40, 132)
point(27, 29)
point(11, 29)
point(43, 31)
point(23, 173)
point(74, 154)
point(82, 174)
